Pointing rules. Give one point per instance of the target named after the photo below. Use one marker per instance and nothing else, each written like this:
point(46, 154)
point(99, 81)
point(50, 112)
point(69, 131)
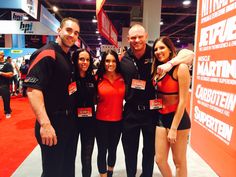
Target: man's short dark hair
point(68, 18)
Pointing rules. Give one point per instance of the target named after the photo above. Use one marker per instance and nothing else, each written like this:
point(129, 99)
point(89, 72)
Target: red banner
point(213, 104)
point(106, 29)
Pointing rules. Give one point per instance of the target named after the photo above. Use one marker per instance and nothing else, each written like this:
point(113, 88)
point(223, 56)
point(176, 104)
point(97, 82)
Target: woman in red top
point(173, 122)
point(111, 91)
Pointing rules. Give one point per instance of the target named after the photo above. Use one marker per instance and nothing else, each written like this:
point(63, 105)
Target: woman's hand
point(172, 135)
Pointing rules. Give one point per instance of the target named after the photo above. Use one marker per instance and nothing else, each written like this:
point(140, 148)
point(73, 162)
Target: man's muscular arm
point(47, 132)
point(184, 56)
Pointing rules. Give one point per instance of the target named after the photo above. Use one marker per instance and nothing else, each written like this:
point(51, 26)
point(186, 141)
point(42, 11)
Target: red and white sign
point(213, 103)
point(106, 28)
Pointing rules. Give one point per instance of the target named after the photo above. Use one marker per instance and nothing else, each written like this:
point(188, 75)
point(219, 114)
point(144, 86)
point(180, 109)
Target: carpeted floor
point(16, 135)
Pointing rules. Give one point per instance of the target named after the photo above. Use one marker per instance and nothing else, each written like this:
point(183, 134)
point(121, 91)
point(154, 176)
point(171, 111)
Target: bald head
point(136, 28)
point(137, 37)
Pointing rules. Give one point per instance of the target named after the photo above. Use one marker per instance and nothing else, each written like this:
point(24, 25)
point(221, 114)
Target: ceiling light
point(99, 39)
point(178, 41)
point(186, 2)
point(55, 9)
point(96, 31)
point(94, 20)
point(161, 23)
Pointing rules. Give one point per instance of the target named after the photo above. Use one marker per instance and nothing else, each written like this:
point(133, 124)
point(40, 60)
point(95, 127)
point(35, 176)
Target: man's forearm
point(6, 74)
point(37, 102)
point(184, 56)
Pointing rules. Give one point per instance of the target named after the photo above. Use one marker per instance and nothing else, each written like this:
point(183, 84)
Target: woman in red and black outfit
point(173, 122)
point(86, 96)
point(111, 91)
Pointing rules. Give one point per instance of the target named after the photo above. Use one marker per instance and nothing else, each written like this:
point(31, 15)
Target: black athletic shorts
point(165, 120)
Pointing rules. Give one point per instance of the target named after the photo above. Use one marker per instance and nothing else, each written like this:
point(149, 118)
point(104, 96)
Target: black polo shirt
point(86, 92)
point(136, 97)
point(5, 67)
point(51, 71)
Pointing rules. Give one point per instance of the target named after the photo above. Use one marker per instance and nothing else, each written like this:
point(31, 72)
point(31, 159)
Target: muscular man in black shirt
point(50, 87)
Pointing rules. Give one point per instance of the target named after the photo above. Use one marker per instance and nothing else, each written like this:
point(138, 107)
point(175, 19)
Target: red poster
point(106, 29)
point(213, 103)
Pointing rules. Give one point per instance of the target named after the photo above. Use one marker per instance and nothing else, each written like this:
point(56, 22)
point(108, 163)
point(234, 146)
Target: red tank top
point(168, 85)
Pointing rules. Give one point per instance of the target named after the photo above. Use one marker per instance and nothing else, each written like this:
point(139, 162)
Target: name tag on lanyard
point(84, 112)
point(138, 84)
point(156, 104)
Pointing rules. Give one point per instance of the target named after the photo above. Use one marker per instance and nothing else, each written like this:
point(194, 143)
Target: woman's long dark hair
point(166, 40)
point(101, 69)
point(75, 58)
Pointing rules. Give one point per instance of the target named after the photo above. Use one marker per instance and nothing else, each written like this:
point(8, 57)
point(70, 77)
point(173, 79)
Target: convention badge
point(84, 112)
point(156, 104)
point(138, 84)
point(72, 88)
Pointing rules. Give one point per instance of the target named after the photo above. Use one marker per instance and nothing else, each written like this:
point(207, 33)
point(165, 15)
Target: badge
point(72, 88)
point(138, 84)
point(84, 112)
point(156, 104)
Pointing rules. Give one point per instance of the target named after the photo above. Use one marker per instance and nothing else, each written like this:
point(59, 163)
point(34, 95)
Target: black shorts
point(165, 120)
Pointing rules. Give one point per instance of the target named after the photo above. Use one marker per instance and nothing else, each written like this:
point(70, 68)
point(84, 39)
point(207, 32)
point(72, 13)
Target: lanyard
point(156, 88)
point(136, 67)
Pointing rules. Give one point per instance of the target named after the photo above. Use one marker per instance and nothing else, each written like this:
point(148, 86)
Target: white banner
point(25, 27)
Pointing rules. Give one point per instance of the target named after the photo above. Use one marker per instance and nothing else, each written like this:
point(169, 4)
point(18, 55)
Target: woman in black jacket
point(86, 94)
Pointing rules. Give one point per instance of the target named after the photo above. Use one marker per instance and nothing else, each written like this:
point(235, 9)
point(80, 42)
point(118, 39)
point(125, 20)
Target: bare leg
point(179, 150)
point(162, 148)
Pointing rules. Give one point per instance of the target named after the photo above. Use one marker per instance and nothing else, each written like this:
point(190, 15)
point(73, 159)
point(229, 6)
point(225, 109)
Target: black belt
point(138, 107)
point(66, 112)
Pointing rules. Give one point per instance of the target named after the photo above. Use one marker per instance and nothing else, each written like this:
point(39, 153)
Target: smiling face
point(68, 34)
point(162, 52)
point(110, 63)
point(137, 38)
point(83, 61)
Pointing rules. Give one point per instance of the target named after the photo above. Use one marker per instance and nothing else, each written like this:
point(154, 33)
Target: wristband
point(170, 63)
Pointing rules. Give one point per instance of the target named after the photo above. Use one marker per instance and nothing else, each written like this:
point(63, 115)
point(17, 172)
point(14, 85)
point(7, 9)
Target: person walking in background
point(23, 72)
point(14, 79)
point(6, 72)
point(85, 101)
point(111, 91)
point(173, 123)
point(139, 115)
point(51, 91)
